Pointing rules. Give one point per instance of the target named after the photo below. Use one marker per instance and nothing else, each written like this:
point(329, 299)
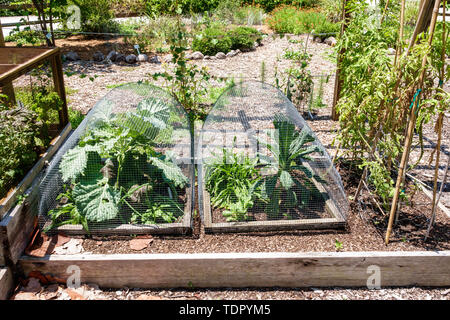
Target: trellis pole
point(338, 80)
point(439, 125)
point(412, 119)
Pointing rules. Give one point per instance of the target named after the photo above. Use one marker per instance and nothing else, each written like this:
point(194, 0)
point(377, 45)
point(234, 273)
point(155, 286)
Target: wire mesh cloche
point(261, 167)
point(126, 169)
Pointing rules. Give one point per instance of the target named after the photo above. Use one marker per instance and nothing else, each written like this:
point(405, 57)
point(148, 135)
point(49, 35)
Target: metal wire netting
point(127, 168)
point(261, 165)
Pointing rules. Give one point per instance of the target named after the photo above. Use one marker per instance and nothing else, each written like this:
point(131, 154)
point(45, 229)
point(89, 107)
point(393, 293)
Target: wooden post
point(58, 80)
point(338, 80)
point(411, 126)
point(8, 88)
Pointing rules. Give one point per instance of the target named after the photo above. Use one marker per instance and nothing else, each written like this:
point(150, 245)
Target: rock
point(33, 286)
point(188, 56)
point(331, 41)
point(256, 44)
point(391, 51)
point(168, 58)
point(120, 57)
point(98, 56)
point(72, 56)
point(25, 296)
point(112, 55)
point(197, 55)
point(207, 57)
point(155, 59)
point(140, 244)
point(131, 58)
point(317, 39)
point(232, 53)
point(142, 57)
point(220, 55)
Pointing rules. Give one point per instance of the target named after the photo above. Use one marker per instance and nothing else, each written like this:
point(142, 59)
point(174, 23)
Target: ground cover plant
point(115, 174)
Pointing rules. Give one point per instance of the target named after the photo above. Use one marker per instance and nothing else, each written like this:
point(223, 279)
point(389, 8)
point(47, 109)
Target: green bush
point(18, 152)
point(212, 40)
point(96, 16)
point(243, 38)
point(289, 19)
point(270, 5)
point(187, 6)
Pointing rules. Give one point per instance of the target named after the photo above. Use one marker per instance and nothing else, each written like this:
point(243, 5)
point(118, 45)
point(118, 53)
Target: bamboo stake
point(411, 125)
point(439, 131)
point(399, 48)
point(338, 80)
point(433, 217)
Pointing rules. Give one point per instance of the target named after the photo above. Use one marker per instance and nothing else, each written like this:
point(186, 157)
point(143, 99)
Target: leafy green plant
point(316, 102)
point(98, 168)
point(243, 38)
point(289, 149)
point(237, 211)
point(338, 245)
point(289, 19)
point(229, 176)
point(19, 150)
point(212, 40)
point(97, 16)
point(187, 82)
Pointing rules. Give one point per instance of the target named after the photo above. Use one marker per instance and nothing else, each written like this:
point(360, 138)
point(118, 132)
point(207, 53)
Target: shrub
point(289, 19)
point(96, 16)
point(249, 15)
point(269, 5)
point(18, 152)
point(187, 6)
point(243, 38)
point(212, 40)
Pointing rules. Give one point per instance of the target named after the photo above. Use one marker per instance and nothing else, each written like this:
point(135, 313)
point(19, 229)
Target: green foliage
point(96, 16)
point(185, 6)
point(289, 149)
point(243, 38)
point(115, 167)
point(230, 176)
point(187, 82)
point(25, 37)
point(269, 5)
point(237, 211)
point(212, 40)
point(332, 9)
point(18, 149)
point(316, 102)
point(289, 19)
point(75, 117)
point(295, 82)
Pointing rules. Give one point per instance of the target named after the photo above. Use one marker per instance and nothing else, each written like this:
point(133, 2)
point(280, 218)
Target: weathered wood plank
point(6, 283)
point(18, 224)
point(7, 203)
point(277, 269)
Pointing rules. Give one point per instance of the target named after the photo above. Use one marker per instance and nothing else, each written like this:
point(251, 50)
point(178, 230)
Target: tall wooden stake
point(439, 125)
point(338, 80)
point(411, 125)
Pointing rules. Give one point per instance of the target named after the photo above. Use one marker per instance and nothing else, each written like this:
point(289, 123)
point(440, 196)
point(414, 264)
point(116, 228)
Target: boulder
point(120, 57)
point(207, 57)
point(155, 59)
point(142, 57)
point(131, 58)
point(220, 55)
point(197, 55)
point(232, 53)
point(317, 39)
point(112, 55)
point(98, 56)
point(72, 56)
point(331, 41)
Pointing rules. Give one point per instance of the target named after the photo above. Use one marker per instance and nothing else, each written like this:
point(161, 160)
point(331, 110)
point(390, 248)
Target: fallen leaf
point(73, 294)
point(139, 244)
point(25, 296)
point(41, 251)
point(73, 246)
point(147, 297)
point(61, 239)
